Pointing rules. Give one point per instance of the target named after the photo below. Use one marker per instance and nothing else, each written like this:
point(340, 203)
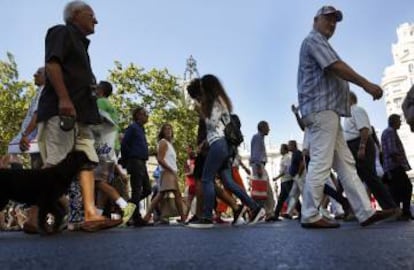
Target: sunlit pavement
point(281, 245)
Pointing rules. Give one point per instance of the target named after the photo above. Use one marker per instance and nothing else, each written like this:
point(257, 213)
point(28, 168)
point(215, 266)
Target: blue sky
point(252, 46)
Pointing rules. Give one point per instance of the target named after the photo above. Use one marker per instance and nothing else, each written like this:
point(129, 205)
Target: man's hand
point(66, 107)
point(24, 143)
point(374, 90)
point(361, 152)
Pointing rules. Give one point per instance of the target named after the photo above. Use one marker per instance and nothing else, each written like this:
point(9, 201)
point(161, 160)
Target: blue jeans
point(217, 162)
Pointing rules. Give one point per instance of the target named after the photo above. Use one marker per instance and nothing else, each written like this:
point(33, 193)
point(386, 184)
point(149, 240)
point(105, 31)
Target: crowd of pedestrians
point(71, 111)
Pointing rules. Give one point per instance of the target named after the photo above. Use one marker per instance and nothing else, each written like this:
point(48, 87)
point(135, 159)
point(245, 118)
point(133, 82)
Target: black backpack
point(232, 131)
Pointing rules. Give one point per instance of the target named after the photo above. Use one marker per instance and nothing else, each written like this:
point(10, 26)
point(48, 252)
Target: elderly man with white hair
point(68, 108)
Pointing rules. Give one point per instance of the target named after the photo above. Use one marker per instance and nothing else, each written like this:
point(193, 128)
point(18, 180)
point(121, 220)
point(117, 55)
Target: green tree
point(160, 93)
point(15, 98)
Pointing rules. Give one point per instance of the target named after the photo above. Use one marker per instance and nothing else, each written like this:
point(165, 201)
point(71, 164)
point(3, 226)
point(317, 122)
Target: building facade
point(397, 80)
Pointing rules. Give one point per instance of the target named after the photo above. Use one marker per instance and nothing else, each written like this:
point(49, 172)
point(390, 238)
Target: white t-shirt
point(358, 120)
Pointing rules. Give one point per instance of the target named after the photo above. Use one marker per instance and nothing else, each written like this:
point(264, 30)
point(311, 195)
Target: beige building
point(397, 80)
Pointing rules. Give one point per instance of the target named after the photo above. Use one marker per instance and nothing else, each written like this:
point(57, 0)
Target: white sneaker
point(325, 213)
point(258, 214)
point(240, 221)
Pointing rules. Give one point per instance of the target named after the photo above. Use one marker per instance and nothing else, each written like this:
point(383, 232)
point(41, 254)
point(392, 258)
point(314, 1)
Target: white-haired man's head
point(71, 8)
point(80, 14)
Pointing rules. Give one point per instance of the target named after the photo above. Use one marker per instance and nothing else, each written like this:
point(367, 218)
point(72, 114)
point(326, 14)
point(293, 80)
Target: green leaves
point(161, 94)
point(156, 90)
point(15, 96)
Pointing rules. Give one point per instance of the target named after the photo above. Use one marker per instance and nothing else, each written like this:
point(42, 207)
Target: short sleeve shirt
point(318, 89)
point(66, 45)
point(358, 120)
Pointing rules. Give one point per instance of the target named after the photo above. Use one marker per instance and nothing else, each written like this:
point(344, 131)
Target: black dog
point(42, 187)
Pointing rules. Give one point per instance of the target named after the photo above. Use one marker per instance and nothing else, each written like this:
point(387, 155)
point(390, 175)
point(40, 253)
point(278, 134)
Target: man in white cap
point(323, 92)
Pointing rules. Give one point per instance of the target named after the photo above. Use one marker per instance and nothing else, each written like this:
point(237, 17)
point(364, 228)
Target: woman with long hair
point(167, 159)
point(215, 110)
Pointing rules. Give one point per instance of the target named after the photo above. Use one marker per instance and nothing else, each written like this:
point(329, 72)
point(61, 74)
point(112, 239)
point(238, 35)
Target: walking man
point(396, 165)
point(67, 107)
point(258, 159)
point(323, 93)
point(358, 136)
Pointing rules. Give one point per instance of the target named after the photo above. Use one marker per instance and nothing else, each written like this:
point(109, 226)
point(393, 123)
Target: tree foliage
point(161, 95)
point(15, 98)
point(156, 90)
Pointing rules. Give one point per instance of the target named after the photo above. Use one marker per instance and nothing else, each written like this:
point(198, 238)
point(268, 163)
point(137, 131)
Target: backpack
point(232, 131)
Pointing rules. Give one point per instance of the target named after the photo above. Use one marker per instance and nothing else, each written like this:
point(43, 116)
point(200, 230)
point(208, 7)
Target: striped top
point(318, 89)
point(393, 150)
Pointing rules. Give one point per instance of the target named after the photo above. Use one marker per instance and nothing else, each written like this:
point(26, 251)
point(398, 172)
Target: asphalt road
point(282, 245)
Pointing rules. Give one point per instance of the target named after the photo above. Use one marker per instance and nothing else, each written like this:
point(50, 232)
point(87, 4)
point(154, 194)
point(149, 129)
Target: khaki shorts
point(55, 144)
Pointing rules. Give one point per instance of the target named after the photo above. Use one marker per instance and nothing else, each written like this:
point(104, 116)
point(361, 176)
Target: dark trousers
point(401, 188)
point(337, 196)
point(140, 184)
point(285, 189)
point(368, 174)
point(36, 161)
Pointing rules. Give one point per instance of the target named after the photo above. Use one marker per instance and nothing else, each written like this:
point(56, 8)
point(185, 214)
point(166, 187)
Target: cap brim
point(339, 16)
point(337, 13)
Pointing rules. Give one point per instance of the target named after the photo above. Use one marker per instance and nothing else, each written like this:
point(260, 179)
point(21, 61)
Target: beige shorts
point(55, 144)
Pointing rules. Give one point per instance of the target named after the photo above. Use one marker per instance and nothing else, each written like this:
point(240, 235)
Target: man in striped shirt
point(323, 93)
point(396, 165)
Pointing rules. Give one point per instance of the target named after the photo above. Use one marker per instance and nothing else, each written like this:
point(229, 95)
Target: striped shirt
point(318, 89)
point(391, 146)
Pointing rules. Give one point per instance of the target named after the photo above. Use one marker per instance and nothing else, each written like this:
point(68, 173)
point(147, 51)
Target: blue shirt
point(134, 144)
point(318, 89)
point(294, 165)
point(391, 145)
point(258, 149)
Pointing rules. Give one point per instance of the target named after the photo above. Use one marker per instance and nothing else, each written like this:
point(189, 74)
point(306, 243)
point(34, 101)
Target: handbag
point(258, 188)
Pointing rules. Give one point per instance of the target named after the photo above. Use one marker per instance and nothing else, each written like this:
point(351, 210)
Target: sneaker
point(219, 220)
point(240, 221)
point(273, 219)
point(127, 213)
point(325, 213)
point(192, 219)
point(238, 213)
point(257, 215)
point(139, 222)
point(202, 223)
point(286, 216)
